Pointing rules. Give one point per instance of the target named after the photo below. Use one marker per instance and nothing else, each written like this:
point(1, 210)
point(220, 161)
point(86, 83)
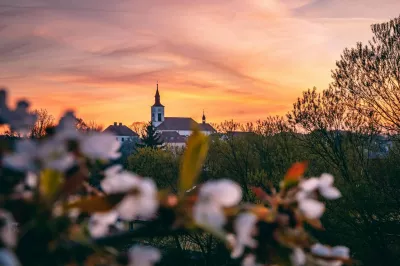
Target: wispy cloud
point(242, 60)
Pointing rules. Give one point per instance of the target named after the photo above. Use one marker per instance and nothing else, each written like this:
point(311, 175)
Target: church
point(175, 129)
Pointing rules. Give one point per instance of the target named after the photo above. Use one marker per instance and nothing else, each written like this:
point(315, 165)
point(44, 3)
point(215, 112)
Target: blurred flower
point(8, 258)
point(20, 119)
point(298, 257)
point(23, 156)
point(244, 227)
point(250, 260)
point(8, 232)
point(31, 180)
point(66, 129)
point(338, 252)
point(311, 208)
point(54, 155)
point(213, 197)
point(100, 146)
point(99, 223)
point(141, 199)
point(143, 256)
point(324, 186)
point(49, 153)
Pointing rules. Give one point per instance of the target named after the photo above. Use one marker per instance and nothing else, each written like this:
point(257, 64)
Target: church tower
point(157, 110)
point(203, 118)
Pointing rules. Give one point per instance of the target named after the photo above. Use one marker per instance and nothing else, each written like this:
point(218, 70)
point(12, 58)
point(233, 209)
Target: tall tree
point(151, 138)
point(370, 75)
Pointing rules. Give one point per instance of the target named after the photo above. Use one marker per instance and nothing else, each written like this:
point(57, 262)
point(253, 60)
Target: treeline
point(350, 130)
point(45, 123)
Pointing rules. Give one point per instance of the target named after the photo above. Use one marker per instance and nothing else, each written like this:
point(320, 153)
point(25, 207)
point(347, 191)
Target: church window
point(159, 116)
point(122, 139)
point(152, 115)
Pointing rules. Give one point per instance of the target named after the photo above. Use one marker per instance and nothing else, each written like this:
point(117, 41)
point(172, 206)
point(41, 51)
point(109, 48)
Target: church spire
point(157, 98)
point(203, 118)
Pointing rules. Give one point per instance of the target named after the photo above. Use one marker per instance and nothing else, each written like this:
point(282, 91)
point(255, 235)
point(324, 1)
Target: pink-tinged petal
point(326, 180)
point(298, 257)
point(310, 184)
point(143, 256)
point(330, 193)
point(311, 208)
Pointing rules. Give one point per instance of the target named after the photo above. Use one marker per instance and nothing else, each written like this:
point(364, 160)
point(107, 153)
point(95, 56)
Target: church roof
point(120, 130)
point(206, 127)
point(177, 123)
point(172, 137)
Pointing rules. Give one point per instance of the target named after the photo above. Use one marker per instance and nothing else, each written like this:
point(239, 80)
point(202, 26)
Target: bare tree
point(370, 75)
point(43, 123)
point(90, 126)
point(139, 128)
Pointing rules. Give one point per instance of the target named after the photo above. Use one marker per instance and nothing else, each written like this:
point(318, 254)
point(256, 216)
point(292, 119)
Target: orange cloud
point(245, 60)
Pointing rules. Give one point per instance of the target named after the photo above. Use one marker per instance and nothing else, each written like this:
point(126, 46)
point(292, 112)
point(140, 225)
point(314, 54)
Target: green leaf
point(50, 183)
point(193, 159)
point(97, 203)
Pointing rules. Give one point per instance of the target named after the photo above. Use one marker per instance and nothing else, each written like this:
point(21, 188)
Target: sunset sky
point(240, 59)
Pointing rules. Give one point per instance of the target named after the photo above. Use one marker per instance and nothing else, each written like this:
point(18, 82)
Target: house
point(122, 132)
point(173, 139)
point(180, 125)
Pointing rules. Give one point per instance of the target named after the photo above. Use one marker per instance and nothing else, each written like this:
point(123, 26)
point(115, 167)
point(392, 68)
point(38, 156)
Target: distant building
point(180, 125)
point(173, 139)
point(122, 133)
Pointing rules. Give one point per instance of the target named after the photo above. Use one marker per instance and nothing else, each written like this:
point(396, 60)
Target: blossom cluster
point(255, 233)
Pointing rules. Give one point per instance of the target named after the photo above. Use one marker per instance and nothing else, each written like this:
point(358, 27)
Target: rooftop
point(119, 129)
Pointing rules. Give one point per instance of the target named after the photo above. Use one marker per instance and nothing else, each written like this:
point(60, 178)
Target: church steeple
point(203, 118)
point(157, 99)
point(157, 110)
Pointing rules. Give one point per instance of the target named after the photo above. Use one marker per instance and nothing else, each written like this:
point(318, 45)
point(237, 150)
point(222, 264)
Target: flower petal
point(330, 193)
point(311, 208)
point(326, 180)
point(298, 257)
point(143, 256)
point(340, 252)
point(321, 250)
point(310, 184)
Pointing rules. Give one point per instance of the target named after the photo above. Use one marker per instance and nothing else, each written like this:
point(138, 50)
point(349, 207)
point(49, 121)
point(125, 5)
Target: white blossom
point(31, 180)
point(66, 129)
point(99, 223)
point(8, 258)
point(244, 227)
point(213, 197)
point(49, 153)
point(54, 155)
point(23, 156)
point(20, 119)
point(298, 257)
point(8, 233)
point(339, 252)
point(141, 199)
point(102, 146)
point(143, 256)
point(324, 186)
point(311, 208)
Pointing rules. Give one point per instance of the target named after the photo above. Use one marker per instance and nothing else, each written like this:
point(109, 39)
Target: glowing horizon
point(244, 60)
